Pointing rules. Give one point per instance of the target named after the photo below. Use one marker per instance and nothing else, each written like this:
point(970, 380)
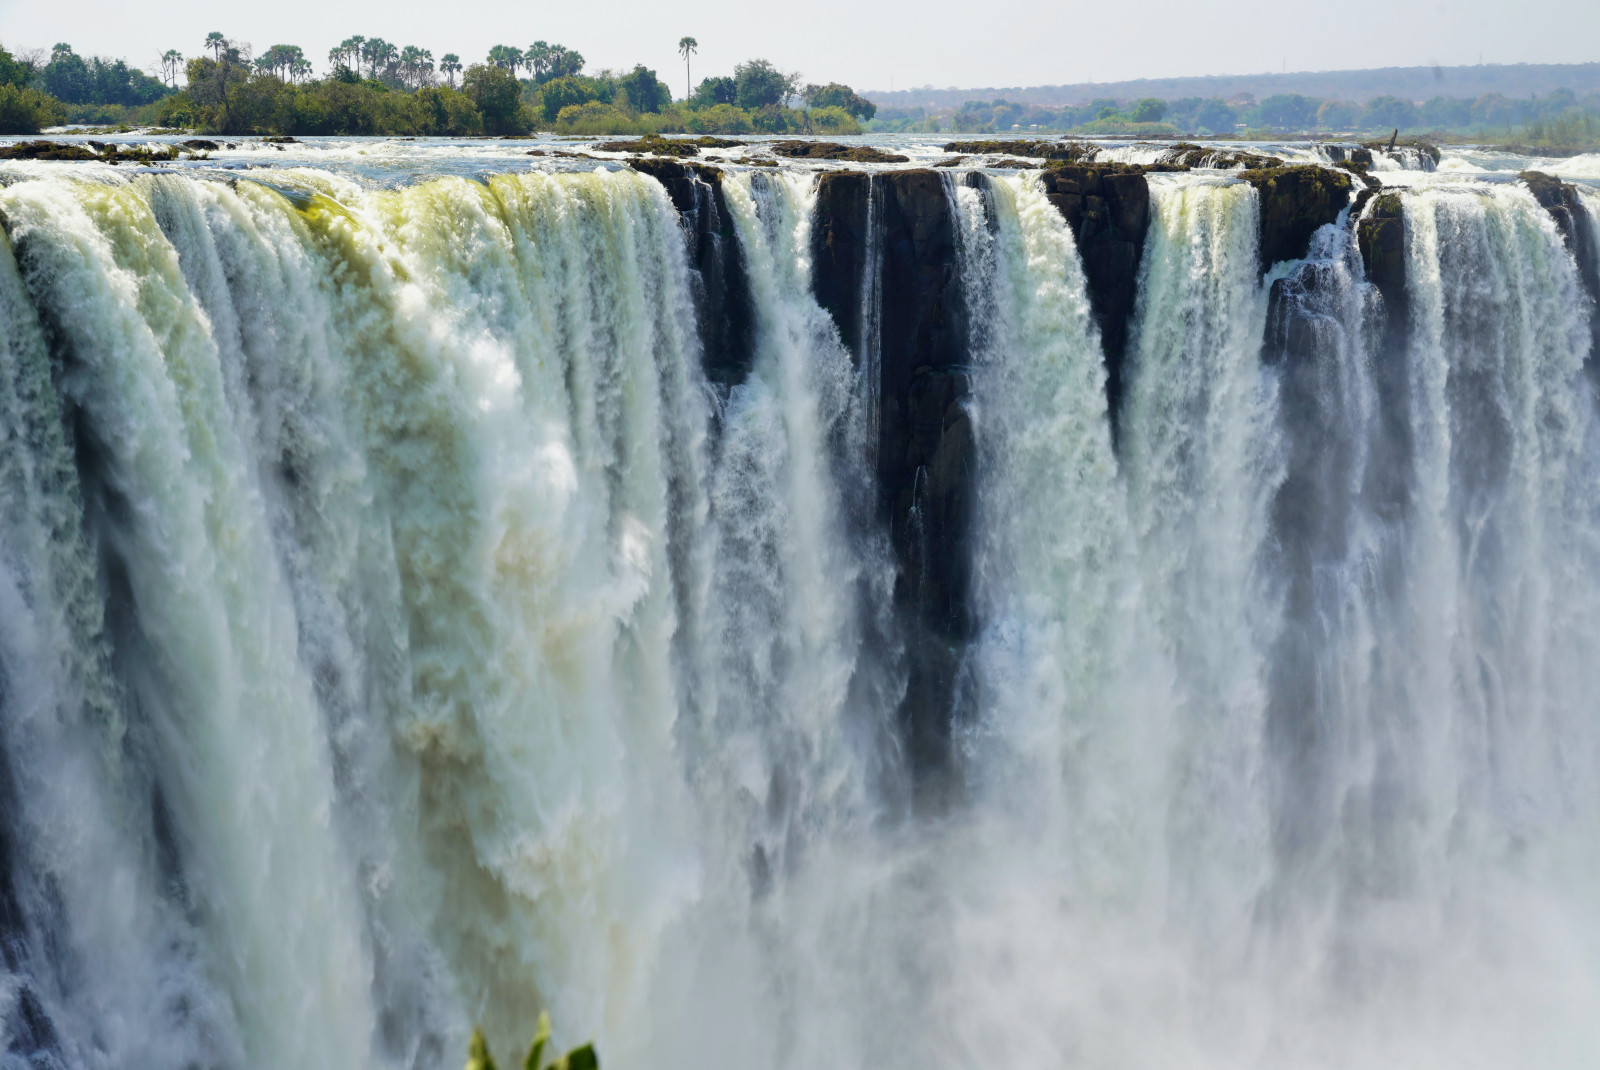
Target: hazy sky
point(866, 43)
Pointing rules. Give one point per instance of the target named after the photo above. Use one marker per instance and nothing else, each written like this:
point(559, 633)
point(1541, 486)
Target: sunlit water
point(397, 632)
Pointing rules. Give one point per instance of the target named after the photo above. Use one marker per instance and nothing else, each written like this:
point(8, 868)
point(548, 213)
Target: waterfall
point(412, 617)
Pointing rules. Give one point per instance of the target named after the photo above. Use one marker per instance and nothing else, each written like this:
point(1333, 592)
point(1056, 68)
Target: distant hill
point(1409, 83)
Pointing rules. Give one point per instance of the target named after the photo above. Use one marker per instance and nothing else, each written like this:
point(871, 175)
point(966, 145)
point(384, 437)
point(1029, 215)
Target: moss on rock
point(829, 150)
point(1295, 202)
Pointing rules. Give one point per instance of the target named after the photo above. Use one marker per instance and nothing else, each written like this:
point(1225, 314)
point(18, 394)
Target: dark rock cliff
point(888, 242)
point(1107, 208)
point(843, 233)
point(924, 433)
point(1571, 215)
point(1381, 240)
point(1295, 202)
point(723, 303)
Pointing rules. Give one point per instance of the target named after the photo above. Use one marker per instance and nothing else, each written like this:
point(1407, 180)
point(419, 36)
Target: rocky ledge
point(1066, 151)
point(1295, 202)
point(1107, 208)
point(722, 289)
point(1566, 206)
point(830, 150)
point(98, 151)
point(655, 144)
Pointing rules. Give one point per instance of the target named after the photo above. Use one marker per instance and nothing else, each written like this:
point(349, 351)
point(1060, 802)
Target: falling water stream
point(398, 632)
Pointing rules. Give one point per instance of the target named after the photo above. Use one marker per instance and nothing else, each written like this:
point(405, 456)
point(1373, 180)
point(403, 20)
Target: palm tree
point(171, 64)
point(506, 56)
point(450, 64)
point(379, 54)
point(416, 64)
point(687, 46)
point(216, 42)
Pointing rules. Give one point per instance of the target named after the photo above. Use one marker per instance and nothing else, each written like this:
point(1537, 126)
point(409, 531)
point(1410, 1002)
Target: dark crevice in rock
point(925, 456)
point(1381, 240)
point(1107, 208)
point(839, 248)
point(723, 303)
point(924, 442)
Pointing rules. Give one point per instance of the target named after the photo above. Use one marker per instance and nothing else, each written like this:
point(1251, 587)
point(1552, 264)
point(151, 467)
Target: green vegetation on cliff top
point(376, 87)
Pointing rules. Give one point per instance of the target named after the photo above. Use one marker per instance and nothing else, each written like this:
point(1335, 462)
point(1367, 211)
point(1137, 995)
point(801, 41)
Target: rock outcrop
point(1107, 207)
point(1348, 154)
point(925, 450)
point(723, 303)
point(1186, 155)
point(1066, 151)
point(98, 151)
point(842, 235)
point(1381, 235)
point(1572, 217)
point(657, 145)
point(925, 441)
point(829, 150)
point(1295, 202)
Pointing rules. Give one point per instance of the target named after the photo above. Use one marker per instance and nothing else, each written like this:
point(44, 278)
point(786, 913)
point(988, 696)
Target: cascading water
point(399, 631)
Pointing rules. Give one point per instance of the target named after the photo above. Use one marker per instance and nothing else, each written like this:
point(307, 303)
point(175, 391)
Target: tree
point(378, 54)
point(1216, 116)
point(687, 46)
point(1387, 111)
point(171, 64)
point(1148, 110)
point(416, 66)
point(14, 72)
point(547, 61)
point(760, 84)
point(67, 77)
point(713, 91)
point(348, 53)
point(1288, 111)
point(450, 64)
point(216, 42)
point(498, 96)
point(1337, 114)
point(559, 93)
point(644, 89)
point(506, 57)
point(283, 61)
point(838, 95)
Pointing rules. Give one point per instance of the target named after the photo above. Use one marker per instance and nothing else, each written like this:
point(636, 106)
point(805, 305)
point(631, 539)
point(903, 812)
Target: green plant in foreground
point(580, 1058)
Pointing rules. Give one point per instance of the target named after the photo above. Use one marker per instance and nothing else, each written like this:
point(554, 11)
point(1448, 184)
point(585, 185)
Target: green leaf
point(540, 1039)
point(478, 1057)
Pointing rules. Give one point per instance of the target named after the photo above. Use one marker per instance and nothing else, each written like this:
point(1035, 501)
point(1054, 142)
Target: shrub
point(720, 119)
point(560, 93)
point(833, 120)
point(25, 111)
point(593, 117)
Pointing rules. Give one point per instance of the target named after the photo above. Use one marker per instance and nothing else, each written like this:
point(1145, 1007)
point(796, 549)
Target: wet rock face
point(725, 309)
point(1185, 154)
point(925, 450)
point(1571, 215)
point(1295, 202)
point(925, 442)
point(1107, 207)
point(1381, 235)
point(839, 248)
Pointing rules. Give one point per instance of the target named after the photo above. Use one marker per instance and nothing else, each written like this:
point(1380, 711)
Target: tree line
point(374, 86)
point(1558, 118)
